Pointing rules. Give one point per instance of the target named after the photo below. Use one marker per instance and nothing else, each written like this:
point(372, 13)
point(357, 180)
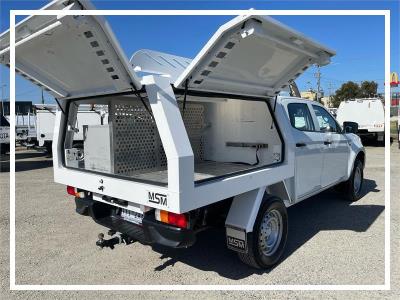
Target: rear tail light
point(179, 220)
point(74, 192)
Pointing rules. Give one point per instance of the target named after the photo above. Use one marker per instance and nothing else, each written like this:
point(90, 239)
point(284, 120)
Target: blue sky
point(358, 40)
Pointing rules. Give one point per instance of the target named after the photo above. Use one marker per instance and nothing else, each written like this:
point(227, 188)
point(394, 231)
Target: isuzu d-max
point(182, 145)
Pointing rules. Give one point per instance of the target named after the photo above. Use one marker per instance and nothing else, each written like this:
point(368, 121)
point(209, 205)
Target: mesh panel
point(193, 119)
point(137, 144)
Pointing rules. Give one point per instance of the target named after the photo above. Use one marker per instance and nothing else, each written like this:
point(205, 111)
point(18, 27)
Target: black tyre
point(4, 148)
point(49, 147)
point(352, 188)
point(266, 243)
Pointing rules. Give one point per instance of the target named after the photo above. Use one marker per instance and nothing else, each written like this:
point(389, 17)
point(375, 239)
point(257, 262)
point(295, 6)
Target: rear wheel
point(266, 243)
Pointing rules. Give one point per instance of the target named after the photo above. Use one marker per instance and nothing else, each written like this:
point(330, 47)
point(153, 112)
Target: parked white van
point(368, 113)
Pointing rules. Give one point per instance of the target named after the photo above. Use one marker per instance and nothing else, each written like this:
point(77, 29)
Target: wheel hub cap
point(270, 232)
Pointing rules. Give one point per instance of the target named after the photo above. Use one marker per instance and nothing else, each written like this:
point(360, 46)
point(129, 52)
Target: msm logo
point(158, 198)
point(236, 243)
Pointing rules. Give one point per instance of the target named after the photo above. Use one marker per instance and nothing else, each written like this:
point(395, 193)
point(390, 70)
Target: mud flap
point(236, 239)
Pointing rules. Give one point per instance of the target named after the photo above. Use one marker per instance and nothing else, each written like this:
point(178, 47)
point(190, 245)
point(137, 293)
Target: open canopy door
point(253, 56)
point(70, 56)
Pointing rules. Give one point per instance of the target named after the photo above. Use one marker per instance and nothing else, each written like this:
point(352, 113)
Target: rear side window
point(300, 117)
point(326, 122)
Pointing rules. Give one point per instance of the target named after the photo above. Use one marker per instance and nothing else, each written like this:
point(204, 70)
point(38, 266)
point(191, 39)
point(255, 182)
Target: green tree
point(351, 90)
point(368, 89)
point(348, 90)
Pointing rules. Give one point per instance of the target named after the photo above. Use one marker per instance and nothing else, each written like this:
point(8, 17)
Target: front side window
point(300, 116)
point(326, 122)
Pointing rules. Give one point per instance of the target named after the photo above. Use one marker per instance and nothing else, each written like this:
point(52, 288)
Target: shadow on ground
point(326, 211)
point(26, 161)
point(374, 143)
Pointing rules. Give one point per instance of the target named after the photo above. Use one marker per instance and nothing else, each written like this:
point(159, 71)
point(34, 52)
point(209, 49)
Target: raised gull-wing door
point(69, 56)
point(252, 56)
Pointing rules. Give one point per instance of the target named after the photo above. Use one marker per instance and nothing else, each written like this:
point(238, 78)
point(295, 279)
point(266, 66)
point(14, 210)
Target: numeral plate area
point(131, 216)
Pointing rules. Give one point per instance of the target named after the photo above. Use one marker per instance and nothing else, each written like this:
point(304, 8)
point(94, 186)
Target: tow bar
point(118, 238)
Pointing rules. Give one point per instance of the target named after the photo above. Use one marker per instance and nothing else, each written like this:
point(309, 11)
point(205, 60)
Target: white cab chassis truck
point(368, 113)
point(46, 117)
point(188, 143)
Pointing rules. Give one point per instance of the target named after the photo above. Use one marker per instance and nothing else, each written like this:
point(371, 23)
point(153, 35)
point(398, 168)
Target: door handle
point(327, 142)
point(299, 145)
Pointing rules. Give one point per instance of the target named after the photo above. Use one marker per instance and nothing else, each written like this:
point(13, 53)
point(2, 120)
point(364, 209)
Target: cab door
point(335, 145)
point(308, 150)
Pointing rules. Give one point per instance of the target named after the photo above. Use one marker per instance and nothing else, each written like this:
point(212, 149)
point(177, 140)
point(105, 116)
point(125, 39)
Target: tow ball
point(119, 238)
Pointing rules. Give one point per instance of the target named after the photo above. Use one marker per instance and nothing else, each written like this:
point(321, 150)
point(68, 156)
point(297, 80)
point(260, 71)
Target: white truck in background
point(45, 122)
point(4, 135)
point(368, 113)
point(192, 143)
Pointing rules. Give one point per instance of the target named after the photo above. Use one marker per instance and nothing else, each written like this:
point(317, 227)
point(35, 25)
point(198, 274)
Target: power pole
point(318, 76)
point(2, 97)
point(330, 93)
point(42, 98)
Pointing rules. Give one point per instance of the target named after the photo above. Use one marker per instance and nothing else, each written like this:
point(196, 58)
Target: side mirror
point(350, 127)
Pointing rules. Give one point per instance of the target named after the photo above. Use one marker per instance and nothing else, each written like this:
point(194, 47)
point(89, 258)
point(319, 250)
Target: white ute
point(186, 144)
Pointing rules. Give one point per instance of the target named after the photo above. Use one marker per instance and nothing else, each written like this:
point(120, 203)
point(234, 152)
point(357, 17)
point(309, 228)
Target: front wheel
point(353, 186)
point(266, 243)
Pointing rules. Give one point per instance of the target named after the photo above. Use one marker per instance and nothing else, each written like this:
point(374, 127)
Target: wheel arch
point(353, 158)
point(361, 156)
point(245, 207)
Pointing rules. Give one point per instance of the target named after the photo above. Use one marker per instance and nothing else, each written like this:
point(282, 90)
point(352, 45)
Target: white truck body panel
point(46, 117)
point(368, 113)
point(4, 134)
point(25, 127)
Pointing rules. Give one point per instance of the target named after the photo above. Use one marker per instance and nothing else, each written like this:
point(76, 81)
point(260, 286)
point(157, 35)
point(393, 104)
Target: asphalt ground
point(330, 242)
